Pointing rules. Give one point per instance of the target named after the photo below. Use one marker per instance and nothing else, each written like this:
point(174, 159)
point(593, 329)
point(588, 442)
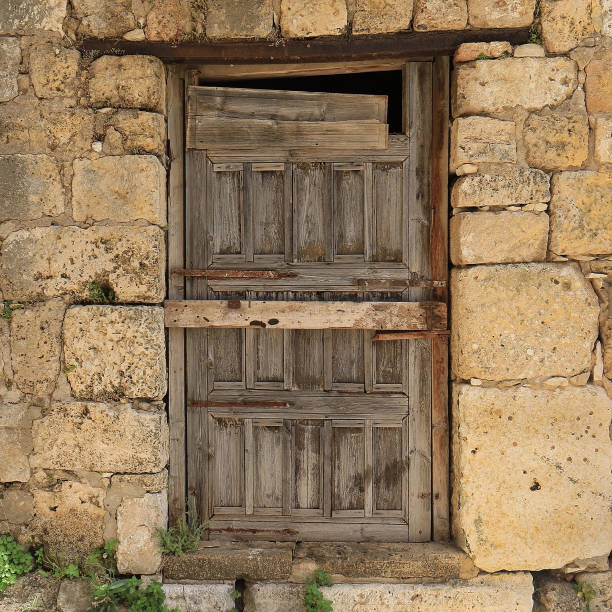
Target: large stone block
point(382, 16)
point(15, 442)
point(531, 470)
point(440, 14)
point(598, 85)
point(10, 58)
point(554, 595)
point(103, 18)
point(52, 261)
point(36, 346)
point(119, 188)
point(603, 139)
point(100, 437)
point(501, 13)
point(30, 187)
point(20, 16)
point(556, 140)
point(581, 214)
point(132, 81)
point(522, 321)
point(118, 351)
point(205, 597)
point(169, 20)
point(511, 186)
point(499, 592)
point(307, 18)
point(486, 87)
point(16, 506)
point(134, 132)
point(498, 237)
point(54, 70)
point(565, 23)
point(137, 522)
point(237, 19)
point(481, 139)
point(468, 52)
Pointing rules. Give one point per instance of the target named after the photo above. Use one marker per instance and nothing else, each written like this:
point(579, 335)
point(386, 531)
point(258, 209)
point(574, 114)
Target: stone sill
point(347, 562)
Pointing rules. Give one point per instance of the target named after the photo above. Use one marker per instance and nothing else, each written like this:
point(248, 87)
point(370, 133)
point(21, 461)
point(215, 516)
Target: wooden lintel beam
point(403, 44)
point(305, 315)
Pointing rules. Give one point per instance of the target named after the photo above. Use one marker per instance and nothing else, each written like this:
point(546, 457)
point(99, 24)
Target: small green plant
point(535, 36)
point(585, 592)
point(100, 293)
point(101, 565)
point(482, 56)
point(69, 368)
point(53, 563)
point(127, 593)
point(14, 561)
point(313, 597)
point(235, 595)
point(7, 309)
point(183, 537)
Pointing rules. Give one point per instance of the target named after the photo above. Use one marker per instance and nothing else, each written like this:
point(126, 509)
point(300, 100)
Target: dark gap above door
point(388, 83)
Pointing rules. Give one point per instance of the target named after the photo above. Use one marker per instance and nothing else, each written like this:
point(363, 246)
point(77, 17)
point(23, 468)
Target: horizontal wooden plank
point(409, 335)
point(239, 134)
point(305, 315)
point(240, 103)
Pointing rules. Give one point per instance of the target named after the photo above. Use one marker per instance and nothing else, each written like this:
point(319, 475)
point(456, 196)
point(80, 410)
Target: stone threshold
point(346, 562)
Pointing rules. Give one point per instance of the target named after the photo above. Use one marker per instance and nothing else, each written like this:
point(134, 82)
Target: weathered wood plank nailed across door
point(305, 315)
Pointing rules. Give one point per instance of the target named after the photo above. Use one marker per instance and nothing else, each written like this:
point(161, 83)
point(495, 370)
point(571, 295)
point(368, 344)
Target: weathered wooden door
point(304, 422)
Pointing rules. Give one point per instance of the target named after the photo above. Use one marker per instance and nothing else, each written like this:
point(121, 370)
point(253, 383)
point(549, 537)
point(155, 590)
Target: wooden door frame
point(183, 422)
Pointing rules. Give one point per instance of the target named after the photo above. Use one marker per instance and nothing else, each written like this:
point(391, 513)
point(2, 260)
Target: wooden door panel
point(351, 211)
point(307, 445)
point(227, 469)
point(388, 468)
point(348, 452)
point(226, 201)
point(267, 466)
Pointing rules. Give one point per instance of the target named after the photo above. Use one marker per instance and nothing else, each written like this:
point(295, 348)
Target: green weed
point(183, 537)
point(7, 309)
point(14, 561)
point(127, 593)
point(585, 592)
point(100, 293)
point(313, 597)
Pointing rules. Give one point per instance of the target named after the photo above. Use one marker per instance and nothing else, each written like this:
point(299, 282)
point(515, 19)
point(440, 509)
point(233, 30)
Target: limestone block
point(16, 506)
point(51, 261)
point(480, 139)
point(100, 437)
point(14, 447)
point(199, 597)
point(603, 139)
point(54, 70)
point(36, 346)
point(531, 82)
point(601, 583)
point(20, 16)
point(134, 367)
point(137, 521)
point(169, 20)
point(307, 18)
point(103, 18)
point(10, 58)
point(236, 19)
point(511, 321)
point(511, 187)
point(468, 52)
point(498, 237)
point(75, 595)
point(499, 592)
point(146, 483)
point(29, 588)
point(565, 24)
point(606, 17)
point(30, 187)
point(501, 14)
point(547, 500)
point(598, 85)
point(440, 15)
point(139, 132)
point(132, 81)
point(581, 214)
point(556, 140)
point(529, 50)
point(119, 188)
point(70, 517)
point(382, 16)
point(553, 595)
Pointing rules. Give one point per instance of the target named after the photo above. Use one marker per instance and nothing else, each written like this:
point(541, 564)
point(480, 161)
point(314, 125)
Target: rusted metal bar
point(409, 335)
point(232, 274)
point(245, 404)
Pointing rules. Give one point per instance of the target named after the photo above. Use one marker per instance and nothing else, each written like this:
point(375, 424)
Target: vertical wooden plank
point(368, 469)
point(388, 467)
point(250, 358)
point(247, 212)
point(368, 367)
point(405, 478)
point(287, 485)
point(348, 461)
point(327, 359)
point(289, 216)
point(268, 442)
point(177, 477)
point(367, 211)
point(229, 465)
point(288, 358)
point(249, 466)
point(267, 204)
point(308, 458)
point(327, 468)
point(349, 213)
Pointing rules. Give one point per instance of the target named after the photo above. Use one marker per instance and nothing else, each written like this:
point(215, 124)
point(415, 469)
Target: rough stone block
point(511, 187)
point(504, 14)
point(235, 19)
point(169, 20)
point(490, 86)
point(103, 18)
point(30, 187)
point(382, 16)
point(20, 16)
point(606, 17)
point(138, 132)
point(556, 140)
point(36, 346)
point(307, 18)
point(498, 237)
point(54, 70)
point(601, 583)
point(52, 261)
point(29, 588)
point(100, 437)
point(554, 595)
point(468, 52)
point(546, 501)
point(581, 214)
point(16, 506)
point(137, 521)
point(513, 321)
point(603, 139)
point(598, 85)
point(499, 592)
point(529, 50)
point(203, 597)
point(15, 442)
point(119, 188)
point(480, 139)
point(440, 15)
point(75, 595)
point(10, 58)
point(565, 24)
point(132, 81)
